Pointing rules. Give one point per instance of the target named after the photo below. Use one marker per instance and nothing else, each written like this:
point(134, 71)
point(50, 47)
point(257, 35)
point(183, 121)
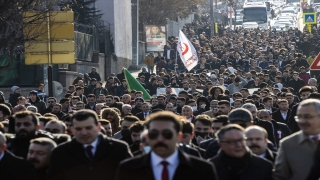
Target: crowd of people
point(249, 110)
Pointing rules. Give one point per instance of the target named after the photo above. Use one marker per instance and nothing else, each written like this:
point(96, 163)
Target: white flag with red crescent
point(187, 52)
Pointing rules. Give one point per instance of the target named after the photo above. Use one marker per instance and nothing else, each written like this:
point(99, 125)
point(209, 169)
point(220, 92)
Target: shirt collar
point(302, 137)
point(311, 136)
point(93, 144)
point(156, 160)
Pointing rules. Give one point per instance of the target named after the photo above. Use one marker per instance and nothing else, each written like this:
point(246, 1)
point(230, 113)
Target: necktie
point(315, 138)
point(165, 173)
point(89, 152)
point(145, 115)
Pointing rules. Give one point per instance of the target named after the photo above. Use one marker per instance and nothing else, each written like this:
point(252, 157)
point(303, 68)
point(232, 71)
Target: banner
point(187, 52)
point(155, 38)
point(133, 83)
point(173, 90)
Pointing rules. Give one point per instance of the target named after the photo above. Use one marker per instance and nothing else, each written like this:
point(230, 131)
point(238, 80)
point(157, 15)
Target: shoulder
point(117, 144)
point(257, 161)
point(289, 139)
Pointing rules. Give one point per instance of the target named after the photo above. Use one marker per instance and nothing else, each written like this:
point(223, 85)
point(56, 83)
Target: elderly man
point(235, 159)
point(296, 152)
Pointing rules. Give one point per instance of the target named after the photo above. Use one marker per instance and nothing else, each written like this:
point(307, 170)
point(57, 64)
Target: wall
point(173, 27)
point(118, 14)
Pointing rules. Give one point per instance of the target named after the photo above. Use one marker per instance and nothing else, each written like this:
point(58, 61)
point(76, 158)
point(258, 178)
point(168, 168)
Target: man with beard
point(135, 132)
point(124, 133)
point(111, 103)
point(65, 103)
point(107, 126)
point(39, 155)
point(224, 107)
point(137, 108)
point(26, 128)
point(13, 167)
point(257, 141)
point(51, 101)
point(56, 110)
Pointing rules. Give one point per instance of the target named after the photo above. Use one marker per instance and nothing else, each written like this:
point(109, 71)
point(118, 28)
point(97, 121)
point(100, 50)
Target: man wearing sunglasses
point(165, 161)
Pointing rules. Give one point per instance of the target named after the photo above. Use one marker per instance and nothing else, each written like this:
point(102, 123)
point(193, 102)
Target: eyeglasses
point(234, 142)
point(167, 134)
point(306, 117)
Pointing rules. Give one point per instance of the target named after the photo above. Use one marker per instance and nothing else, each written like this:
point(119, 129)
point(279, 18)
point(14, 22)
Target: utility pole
point(211, 19)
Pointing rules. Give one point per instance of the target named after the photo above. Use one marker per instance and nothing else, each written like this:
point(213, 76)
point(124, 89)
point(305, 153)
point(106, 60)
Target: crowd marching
point(250, 109)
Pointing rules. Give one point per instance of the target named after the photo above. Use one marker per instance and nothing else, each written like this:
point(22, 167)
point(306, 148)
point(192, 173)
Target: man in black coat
point(90, 155)
point(235, 160)
point(13, 167)
point(283, 113)
point(165, 161)
point(26, 127)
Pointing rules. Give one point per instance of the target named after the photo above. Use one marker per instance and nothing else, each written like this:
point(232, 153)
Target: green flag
point(132, 83)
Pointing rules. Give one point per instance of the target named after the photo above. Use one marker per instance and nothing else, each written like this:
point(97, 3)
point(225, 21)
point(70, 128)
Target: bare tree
point(13, 23)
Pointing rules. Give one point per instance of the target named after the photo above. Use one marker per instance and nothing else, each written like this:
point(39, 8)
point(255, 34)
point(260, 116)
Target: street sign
point(309, 18)
point(316, 63)
point(42, 58)
point(56, 46)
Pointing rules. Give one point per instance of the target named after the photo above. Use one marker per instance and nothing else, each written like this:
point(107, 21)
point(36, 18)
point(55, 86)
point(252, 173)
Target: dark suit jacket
point(189, 168)
point(257, 168)
point(278, 117)
point(172, 54)
point(140, 115)
point(15, 168)
point(69, 161)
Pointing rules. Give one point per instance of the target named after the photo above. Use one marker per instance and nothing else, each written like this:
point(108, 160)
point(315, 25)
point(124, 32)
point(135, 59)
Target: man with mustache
point(224, 107)
point(13, 167)
point(166, 160)
point(39, 155)
point(26, 128)
point(296, 152)
point(257, 141)
point(135, 132)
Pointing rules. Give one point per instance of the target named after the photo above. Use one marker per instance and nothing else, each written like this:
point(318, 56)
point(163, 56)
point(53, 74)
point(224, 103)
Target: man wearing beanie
point(36, 101)
point(13, 99)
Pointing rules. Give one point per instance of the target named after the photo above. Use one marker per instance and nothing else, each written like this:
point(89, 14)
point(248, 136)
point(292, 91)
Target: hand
point(203, 106)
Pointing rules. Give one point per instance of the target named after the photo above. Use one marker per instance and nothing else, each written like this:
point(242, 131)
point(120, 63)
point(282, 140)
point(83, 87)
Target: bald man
point(257, 141)
point(13, 167)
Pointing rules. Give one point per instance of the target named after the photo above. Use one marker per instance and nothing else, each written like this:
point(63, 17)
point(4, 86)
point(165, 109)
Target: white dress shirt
point(1, 156)
point(168, 53)
point(310, 136)
point(94, 145)
point(157, 167)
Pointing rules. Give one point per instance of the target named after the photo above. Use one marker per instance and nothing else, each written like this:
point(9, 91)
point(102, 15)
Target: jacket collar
point(302, 137)
point(183, 159)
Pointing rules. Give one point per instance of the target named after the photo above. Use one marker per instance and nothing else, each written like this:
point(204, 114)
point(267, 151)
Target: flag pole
point(176, 61)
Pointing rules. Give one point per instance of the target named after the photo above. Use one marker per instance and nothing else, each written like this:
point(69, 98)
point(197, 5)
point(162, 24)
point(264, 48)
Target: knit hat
point(138, 98)
point(33, 92)
point(240, 114)
point(14, 88)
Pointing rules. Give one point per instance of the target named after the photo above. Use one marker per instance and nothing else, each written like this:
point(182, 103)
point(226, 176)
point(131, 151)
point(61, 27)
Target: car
point(279, 27)
point(250, 25)
point(285, 23)
point(288, 21)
